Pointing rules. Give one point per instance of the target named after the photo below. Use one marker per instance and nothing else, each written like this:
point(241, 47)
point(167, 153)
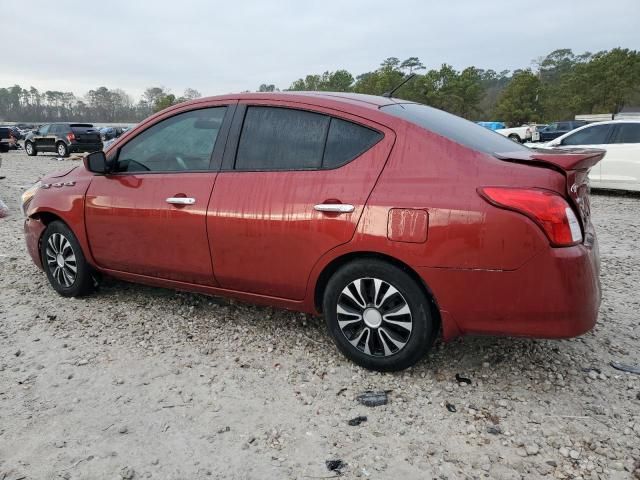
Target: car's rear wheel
point(30, 149)
point(378, 315)
point(62, 149)
point(63, 261)
point(514, 137)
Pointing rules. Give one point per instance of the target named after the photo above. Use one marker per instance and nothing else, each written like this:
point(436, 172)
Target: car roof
point(361, 99)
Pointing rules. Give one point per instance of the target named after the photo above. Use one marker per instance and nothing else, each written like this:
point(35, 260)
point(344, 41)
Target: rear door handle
point(181, 200)
point(334, 207)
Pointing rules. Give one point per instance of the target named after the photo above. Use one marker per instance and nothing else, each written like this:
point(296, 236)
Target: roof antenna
point(395, 89)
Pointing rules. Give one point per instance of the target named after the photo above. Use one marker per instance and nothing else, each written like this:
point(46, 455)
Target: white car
point(620, 167)
point(522, 134)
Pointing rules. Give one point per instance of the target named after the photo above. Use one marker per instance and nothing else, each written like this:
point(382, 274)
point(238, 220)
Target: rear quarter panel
point(427, 171)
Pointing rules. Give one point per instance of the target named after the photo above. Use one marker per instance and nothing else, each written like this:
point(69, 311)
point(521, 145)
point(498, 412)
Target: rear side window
point(346, 141)
point(277, 138)
point(458, 129)
point(595, 135)
point(627, 133)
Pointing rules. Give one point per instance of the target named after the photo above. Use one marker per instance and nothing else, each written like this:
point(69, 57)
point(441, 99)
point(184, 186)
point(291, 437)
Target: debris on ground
point(451, 407)
point(335, 466)
point(357, 420)
point(624, 367)
point(4, 210)
point(461, 379)
point(373, 399)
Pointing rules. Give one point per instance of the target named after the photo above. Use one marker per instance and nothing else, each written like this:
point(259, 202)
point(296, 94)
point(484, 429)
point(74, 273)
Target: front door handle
point(181, 200)
point(334, 207)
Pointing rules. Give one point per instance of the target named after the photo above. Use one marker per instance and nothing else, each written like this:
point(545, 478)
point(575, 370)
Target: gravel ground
point(139, 382)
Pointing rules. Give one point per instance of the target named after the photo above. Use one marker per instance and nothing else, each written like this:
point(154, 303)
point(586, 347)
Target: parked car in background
point(520, 134)
point(535, 135)
point(324, 203)
point(556, 129)
point(620, 167)
point(17, 134)
point(109, 133)
point(63, 138)
point(7, 139)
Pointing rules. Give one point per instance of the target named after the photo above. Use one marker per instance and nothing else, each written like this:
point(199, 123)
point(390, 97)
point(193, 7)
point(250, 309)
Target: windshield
point(454, 128)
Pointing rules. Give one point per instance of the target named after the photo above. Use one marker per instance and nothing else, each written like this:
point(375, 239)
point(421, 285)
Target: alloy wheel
point(62, 150)
point(374, 317)
point(61, 260)
point(29, 148)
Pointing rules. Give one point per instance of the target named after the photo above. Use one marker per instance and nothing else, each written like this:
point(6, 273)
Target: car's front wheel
point(63, 261)
point(378, 315)
point(62, 149)
point(30, 148)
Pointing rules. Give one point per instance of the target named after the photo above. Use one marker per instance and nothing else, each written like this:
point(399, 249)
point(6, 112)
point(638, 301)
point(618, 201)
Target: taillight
point(71, 137)
point(548, 209)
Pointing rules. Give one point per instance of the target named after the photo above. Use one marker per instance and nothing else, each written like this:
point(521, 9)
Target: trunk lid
point(574, 164)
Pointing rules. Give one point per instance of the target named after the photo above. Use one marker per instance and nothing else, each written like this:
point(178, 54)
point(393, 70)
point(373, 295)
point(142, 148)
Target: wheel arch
point(338, 262)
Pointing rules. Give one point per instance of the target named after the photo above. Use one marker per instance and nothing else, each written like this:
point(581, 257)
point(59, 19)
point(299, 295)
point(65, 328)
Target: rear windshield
point(454, 128)
point(82, 128)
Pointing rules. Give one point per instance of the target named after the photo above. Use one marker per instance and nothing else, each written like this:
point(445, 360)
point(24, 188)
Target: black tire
point(30, 148)
point(59, 238)
point(420, 337)
point(62, 150)
point(515, 138)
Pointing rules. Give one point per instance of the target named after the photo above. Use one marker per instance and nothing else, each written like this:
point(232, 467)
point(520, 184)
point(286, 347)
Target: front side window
point(627, 133)
point(44, 130)
point(180, 143)
point(595, 135)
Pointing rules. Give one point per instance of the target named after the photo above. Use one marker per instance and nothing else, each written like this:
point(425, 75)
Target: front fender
point(65, 201)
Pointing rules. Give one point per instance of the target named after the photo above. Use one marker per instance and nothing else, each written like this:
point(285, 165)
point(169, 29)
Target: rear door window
point(276, 138)
point(594, 135)
point(626, 133)
point(280, 138)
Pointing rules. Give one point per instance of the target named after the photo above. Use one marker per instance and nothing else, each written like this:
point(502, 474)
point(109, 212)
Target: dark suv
point(63, 138)
point(7, 139)
point(555, 129)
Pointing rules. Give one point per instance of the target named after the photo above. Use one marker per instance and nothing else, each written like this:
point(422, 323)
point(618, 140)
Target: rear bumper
point(33, 229)
point(85, 147)
point(555, 295)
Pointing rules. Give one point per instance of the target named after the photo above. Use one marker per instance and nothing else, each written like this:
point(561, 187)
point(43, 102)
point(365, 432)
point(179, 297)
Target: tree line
point(556, 87)
point(99, 105)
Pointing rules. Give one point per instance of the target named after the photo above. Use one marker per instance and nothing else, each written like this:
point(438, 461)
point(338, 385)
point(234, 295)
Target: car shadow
point(471, 357)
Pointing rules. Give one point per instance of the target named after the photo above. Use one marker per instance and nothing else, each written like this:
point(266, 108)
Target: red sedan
point(396, 221)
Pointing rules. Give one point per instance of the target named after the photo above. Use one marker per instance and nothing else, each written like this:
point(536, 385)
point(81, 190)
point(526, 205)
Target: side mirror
point(96, 162)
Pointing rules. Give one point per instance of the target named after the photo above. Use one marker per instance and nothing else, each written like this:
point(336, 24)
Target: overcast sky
point(220, 47)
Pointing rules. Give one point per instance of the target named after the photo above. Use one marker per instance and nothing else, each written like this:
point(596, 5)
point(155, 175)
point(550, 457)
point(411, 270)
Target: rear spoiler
point(565, 160)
